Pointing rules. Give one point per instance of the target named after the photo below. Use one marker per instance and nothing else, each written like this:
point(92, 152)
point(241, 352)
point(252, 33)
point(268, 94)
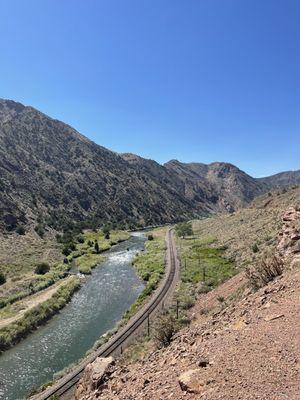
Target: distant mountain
point(288, 178)
point(223, 185)
point(52, 175)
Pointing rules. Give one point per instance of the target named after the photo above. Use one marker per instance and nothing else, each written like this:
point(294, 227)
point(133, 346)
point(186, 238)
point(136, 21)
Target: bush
point(20, 230)
point(165, 327)
point(265, 272)
point(40, 230)
point(66, 251)
point(150, 237)
point(255, 248)
point(42, 268)
point(80, 239)
point(2, 278)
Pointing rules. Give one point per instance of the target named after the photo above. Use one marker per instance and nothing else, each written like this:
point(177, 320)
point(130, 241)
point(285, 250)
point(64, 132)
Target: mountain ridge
point(51, 174)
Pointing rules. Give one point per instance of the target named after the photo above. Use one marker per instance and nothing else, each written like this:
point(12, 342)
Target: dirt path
point(33, 301)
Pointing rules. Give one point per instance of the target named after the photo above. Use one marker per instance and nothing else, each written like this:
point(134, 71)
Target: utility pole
point(148, 326)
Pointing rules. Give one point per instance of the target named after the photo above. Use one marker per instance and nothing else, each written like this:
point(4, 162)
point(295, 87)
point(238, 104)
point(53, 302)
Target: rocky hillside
point(52, 175)
point(241, 343)
point(48, 168)
point(225, 186)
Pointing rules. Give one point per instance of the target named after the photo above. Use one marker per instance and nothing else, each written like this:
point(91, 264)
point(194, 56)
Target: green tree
point(97, 248)
point(184, 229)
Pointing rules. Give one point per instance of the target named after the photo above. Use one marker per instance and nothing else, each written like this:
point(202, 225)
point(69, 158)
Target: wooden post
point(148, 326)
point(177, 308)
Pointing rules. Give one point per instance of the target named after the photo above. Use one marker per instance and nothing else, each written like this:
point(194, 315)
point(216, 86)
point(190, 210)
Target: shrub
point(150, 237)
point(42, 268)
point(66, 251)
point(106, 231)
point(255, 248)
point(165, 327)
point(80, 239)
point(20, 230)
point(265, 272)
point(72, 246)
point(2, 278)
point(40, 230)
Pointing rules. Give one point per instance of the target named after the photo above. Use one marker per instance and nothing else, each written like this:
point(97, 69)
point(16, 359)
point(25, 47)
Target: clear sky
point(195, 80)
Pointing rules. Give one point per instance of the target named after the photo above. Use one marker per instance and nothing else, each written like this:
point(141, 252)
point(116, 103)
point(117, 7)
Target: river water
point(93, 310)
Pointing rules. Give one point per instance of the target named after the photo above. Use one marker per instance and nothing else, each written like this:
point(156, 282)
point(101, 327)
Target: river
point(93, 310)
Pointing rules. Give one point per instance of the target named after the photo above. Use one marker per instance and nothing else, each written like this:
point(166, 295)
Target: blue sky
point(195, 80)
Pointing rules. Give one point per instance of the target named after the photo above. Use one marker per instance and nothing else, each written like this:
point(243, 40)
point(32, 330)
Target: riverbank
point(65, 339)
point(150, 267)
point(38, 315)
point(88, 252)
point(45, 295)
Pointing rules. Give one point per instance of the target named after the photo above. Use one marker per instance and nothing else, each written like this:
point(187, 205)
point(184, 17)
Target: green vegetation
point(255, 248)
point(203, 267)
point(42, 268)
point(86, 262)
point(40, 230)
point(33, 318)
point(2, 278)
point(184, 229)
point(150, 266)
point(87, 252)
point(34, 284)
point(20, 230)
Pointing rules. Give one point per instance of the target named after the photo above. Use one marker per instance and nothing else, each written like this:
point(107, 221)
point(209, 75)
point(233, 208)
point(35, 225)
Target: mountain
point(222, 184)
point(52, 175)
point(288, 178)
point(49, 169)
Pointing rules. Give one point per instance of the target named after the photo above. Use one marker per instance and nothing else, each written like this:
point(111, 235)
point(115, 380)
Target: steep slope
point(48, 168)
point(241, 344)
point(52, 175)
point(228, 186)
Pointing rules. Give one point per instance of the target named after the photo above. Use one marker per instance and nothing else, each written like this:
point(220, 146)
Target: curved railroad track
point(64, 385)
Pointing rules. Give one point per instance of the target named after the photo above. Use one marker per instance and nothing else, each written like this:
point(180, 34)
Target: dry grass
point(257, 225)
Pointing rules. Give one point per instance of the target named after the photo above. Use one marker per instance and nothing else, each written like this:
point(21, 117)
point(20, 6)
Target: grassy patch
point(14, 332)
point(201, 262)
point(86, 262)
point(150, 266)
point(85, 255)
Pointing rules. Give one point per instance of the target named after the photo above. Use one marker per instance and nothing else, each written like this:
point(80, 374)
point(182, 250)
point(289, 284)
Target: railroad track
point(68, 382)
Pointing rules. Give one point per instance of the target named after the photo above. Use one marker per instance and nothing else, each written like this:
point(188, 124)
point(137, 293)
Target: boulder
point(189, 381)
point(93, 377)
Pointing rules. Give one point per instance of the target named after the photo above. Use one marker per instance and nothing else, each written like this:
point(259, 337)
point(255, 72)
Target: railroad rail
point(65, 384)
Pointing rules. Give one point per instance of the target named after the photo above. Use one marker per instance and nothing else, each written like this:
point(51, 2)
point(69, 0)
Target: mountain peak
point(9, 109)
